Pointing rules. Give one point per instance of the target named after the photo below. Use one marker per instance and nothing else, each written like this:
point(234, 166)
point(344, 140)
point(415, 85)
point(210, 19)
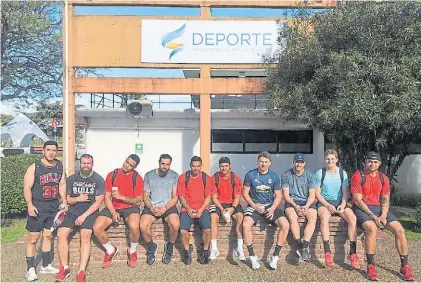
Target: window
point(256, 141)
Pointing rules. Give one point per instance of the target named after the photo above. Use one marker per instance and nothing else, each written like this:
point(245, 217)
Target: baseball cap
point(299, 157)
point(374, 156)
point(224, 160)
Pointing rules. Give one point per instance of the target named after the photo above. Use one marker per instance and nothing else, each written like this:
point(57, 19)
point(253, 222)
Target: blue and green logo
point(168, 41)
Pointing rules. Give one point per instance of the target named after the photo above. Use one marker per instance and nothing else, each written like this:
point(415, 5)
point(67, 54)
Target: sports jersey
point(195, 192)
point(262, 186)
point(124, 183)
point(372, 188)
point(225, 191)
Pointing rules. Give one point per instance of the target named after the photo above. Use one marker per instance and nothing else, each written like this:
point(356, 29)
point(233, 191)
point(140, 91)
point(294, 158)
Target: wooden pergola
point(95, 42)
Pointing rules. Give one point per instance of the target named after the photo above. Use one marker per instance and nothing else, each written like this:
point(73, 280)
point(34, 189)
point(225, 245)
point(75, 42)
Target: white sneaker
point(49, 269)
point(31, 275)
point(239, 253)
point(254, 262)
point(273, 262)
point(213, 254)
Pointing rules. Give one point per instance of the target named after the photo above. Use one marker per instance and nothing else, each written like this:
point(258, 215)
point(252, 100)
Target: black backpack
point(188, 174)
point(216, 176)
point(341, 174)
point(134, 178)
point(363, 177)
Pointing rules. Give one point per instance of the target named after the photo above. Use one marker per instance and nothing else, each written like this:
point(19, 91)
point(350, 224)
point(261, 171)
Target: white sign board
point(177, 41)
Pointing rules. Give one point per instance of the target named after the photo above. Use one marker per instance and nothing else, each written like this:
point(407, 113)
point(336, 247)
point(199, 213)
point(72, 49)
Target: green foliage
point(4, 119)
point(356, 76)
point(14, 232)
point(418, 218)
point(13, 169)
point(399, 199)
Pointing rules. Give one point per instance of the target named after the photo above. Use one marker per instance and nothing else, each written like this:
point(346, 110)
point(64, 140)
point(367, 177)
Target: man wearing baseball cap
point(299, 189)
point(370, 190)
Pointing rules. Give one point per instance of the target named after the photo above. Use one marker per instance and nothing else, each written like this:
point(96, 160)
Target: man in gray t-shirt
point(160, 198)
point(299, 189)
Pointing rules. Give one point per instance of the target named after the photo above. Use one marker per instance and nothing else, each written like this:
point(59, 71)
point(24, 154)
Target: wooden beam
point(188, 66)
point(205, 121)
point(168, 86)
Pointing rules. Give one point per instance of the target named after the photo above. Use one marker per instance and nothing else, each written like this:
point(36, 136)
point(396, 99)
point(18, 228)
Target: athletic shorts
point(376, 209)
point(124, 212)
point(301, 203)
point(250, 211)
point(186, 221)
point(47, 211)
point(214, 209)
point(335, 203)
point(70, 218)
point(172, 210)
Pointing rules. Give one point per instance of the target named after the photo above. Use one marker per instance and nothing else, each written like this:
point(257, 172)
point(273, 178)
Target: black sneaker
point(204, 257)
point(187, 255)
point(166, 258)
point(305, 254)
point(151, 254)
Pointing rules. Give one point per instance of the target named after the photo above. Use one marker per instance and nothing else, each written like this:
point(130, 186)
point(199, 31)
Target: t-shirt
point(299, 186)
point(195, 193)
point(92, 186)
point(262, 186)
point(332, 187)
point(160, 188)
point(124, 183)
point(372, 188)
point(225, 191)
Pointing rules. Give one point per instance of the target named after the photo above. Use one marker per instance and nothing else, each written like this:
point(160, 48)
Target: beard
point(162, 172)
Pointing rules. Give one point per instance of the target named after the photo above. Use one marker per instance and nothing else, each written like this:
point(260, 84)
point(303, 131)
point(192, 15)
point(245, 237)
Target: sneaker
point(109, 258)
point(406, 273)
point(31, 275)
point(304, 254)
point(254, 262)
point(203, 257)
point(353, 260)
point(81, 276)
point(329, 260)
point(131, 258)
point(214, 254)
point(49, 269)
point(166, 258)
point(63, 274)
point(239, 253)
point(273, 262)
point(372, 273)
point(151, 254)
point(187, 255)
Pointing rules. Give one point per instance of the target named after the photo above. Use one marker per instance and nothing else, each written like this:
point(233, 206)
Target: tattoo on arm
point(147, 200)
point(384, 201)
point(184, 202)
point(134, 201)
point(361, 204)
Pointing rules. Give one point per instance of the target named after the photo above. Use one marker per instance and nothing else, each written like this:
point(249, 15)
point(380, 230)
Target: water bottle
point(58, 220)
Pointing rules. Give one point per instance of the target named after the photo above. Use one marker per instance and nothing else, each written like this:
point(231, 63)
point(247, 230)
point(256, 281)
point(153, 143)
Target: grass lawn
point(408, 222)
point(14, 232)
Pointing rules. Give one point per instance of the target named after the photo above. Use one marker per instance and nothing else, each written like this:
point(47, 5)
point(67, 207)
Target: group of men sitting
point(204, 200)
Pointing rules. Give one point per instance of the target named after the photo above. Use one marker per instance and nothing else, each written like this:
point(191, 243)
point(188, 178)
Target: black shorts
point(335, 203)
point(301, 203)
point(124, 212)
point(214, 209)
point(376, 209)
point(172, 210)
point(186, 221)
point(250, 211)
point(70, 218)
point(47, 211)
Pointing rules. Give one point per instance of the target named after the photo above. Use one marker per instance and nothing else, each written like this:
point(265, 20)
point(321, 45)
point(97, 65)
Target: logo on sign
point(168, 41)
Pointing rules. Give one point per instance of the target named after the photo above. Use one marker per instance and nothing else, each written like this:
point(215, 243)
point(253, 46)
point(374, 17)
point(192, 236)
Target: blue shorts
point(186, 221)
point(376, 209)
point(300, 203)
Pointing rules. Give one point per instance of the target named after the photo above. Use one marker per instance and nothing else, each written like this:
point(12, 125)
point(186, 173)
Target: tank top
point(46, 183)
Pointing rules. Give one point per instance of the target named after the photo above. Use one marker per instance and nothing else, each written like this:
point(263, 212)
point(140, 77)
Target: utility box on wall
point(139, 108)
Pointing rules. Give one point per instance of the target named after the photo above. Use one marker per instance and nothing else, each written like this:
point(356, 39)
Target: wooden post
point(205, 121)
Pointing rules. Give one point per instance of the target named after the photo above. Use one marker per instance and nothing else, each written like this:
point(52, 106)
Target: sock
point(277, 250)
point(30, 261)
point(299, 243)
point(326, 246)
point(214, 244)
point(305, 244)
point(133, 247)
point(370, 258)
point(404, 260)
point(45, 259)
point(108, 247)
point(352, 247)
point(250, 249)
point(65, 267)
point(170, 247)
point(240, 244)
point(150, 245)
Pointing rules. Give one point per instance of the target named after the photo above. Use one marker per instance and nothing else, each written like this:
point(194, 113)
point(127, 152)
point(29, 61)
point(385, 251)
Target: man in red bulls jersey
point(43, 183)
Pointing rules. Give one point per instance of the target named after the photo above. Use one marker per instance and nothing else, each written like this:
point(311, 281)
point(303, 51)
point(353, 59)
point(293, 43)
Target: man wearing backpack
point(194, 190)
point(124, 194)
point(332, 195)
point(370, 190)
point(226, 202)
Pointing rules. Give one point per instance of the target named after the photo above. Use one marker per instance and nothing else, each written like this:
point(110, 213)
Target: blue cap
point(299, 156)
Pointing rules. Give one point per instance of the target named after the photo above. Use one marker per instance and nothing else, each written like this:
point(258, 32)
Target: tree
point(31, 49)
point(4, 119)
point(355, 74)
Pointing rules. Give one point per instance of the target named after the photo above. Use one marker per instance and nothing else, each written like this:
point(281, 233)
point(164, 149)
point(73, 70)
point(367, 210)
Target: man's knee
point(174, 224)
point(370, 228)
point(247, 223)
point(47, 236)
point(85, 236)
point(282, 223)
point(63, 233)
point(184, 233)
point(144, 226)
point(206, 231)
point(311, 216)
point(33, 238)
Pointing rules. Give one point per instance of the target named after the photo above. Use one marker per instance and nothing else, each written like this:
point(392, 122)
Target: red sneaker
point(353, 260)
point(406, 273)
point(109, 258)
point(63, 274)
point(372, 273)
point(329, 260)
point(131, 258)
point(81, 276)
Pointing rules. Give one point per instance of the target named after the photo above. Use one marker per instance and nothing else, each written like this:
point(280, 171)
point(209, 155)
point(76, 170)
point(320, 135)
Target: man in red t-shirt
point(370, 190)
point(226, 202)
point(123, 195)
point(194, 190)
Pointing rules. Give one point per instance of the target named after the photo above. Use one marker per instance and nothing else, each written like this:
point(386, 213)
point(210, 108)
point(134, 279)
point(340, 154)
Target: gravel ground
point(13, 269)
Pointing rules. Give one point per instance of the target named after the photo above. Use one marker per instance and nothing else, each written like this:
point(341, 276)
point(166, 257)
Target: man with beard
point(160, 198)
point(85, 194)
point(123, 195)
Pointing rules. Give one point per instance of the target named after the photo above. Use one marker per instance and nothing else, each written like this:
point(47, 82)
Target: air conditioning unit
point(139, 108)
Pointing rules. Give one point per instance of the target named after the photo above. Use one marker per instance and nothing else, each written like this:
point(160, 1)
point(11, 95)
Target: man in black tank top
point(44, 181)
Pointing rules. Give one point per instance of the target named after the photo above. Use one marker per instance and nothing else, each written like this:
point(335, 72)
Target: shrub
point(13, 169)
point(418, 218)
point(400, 199)
point(6, 222)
